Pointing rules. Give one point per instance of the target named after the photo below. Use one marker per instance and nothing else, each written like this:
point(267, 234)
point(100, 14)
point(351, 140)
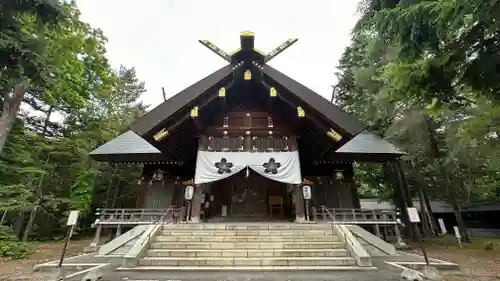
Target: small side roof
point(367, 142)
point(127, 147)
point(130, 147)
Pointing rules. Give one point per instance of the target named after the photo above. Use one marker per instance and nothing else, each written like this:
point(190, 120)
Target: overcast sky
point(160, 37)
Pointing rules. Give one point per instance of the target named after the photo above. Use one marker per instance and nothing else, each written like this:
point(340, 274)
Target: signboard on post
point(306, 192)
point(70, 223)
point(442, 227)
point(189, 192)
point(413, 215)
point(72, 218)
point(414, 218)
point(457, 234)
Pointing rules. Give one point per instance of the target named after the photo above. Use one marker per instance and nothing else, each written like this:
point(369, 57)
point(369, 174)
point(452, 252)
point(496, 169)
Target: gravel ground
point(476, 264)
point(22, 270)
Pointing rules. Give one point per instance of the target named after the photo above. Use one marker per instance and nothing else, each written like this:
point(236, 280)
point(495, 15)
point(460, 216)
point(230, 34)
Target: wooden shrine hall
point(247, 138)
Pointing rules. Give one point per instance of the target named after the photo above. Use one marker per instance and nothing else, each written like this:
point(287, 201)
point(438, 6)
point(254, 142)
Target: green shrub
point(10, 247)
point(489, 246)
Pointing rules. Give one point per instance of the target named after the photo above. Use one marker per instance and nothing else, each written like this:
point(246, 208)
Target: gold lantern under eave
point(247, 75)
point(300, 112)
point(272, 92)
point(222, 92)
point(194, 112)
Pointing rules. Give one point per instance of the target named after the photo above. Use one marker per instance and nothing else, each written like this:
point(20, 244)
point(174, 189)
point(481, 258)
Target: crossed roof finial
point(247, 46)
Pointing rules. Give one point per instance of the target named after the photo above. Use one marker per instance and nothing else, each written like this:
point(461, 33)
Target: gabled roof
point(186, 97)
point(368, 143)
point(249, 57)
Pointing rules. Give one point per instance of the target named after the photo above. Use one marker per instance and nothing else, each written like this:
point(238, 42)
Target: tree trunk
point(33, 213)
point(423, 212)
point(432, 219)
point(406, 195)
point(38, 188)
point(400, 198)
point(435, 151)
point(11, 104)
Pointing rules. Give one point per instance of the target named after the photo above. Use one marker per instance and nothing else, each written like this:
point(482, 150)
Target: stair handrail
point(325, 209)
point(170, 210)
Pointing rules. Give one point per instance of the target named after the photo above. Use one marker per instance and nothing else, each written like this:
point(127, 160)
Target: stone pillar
point(196, 204)
point(97, 237)
point(298, 201)
point(399, 239)
point(118, 230)
point(376, 229)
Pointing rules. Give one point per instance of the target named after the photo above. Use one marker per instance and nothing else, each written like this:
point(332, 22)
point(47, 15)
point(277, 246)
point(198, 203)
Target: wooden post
point(307, 210)
point(196, 204)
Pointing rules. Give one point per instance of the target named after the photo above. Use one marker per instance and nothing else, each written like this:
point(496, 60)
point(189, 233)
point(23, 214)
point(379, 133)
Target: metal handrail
point(359, 216)
point(159, 221)
point(323, 208)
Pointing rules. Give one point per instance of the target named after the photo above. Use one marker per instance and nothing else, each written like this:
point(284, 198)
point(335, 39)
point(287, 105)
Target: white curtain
point(279, 166)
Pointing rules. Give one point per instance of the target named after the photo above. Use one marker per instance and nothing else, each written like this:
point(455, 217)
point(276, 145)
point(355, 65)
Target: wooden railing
point(129, 216)
point(357, 216)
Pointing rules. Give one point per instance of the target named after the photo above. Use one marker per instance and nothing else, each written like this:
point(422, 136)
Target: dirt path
point(22, 270)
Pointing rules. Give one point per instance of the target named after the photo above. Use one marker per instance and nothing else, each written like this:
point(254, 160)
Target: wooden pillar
point(299, 204)
point(406, 196)
point(196, 204)
point(353, 187)
point(141, 193)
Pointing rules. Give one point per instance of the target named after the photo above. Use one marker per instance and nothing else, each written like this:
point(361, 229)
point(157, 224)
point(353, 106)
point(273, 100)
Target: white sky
point(160, 37)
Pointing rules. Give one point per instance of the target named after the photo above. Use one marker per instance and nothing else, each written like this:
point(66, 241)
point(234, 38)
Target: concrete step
point(248, 245)
point(247, 226)
point(249, 253)
point(245, 268)
point(223, 232)
point(234, 239)
point(248, 261)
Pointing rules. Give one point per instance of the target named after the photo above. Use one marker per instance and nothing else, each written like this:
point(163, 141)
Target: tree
point(421, 73)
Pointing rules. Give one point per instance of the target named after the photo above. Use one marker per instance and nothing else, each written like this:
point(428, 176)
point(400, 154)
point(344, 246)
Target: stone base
point(304, 222)
point(411, 275)
point(401, 245)
point(91, 249)
point(432, 273)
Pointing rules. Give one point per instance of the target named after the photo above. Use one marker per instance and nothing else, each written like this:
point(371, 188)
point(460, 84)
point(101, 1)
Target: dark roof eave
point(329, 110)
point(130, 157)
point(157, 115)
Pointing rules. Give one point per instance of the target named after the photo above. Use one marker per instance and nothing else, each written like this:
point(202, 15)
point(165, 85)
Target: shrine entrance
point(249, 196)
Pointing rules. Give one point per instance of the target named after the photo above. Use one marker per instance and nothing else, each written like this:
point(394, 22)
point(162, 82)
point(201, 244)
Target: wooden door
point(248, 197)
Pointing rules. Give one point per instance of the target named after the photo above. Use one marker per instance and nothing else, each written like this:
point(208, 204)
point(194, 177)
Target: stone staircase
point(247, 246)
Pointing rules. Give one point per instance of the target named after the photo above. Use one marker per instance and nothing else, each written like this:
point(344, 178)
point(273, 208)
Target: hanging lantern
point(339, 175)
point(158, 175)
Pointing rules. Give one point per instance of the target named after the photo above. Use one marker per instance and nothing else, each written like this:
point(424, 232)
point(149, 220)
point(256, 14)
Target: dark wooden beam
point(330, 132)
point(280, 49)
point(179, 121)
point(216, 50)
